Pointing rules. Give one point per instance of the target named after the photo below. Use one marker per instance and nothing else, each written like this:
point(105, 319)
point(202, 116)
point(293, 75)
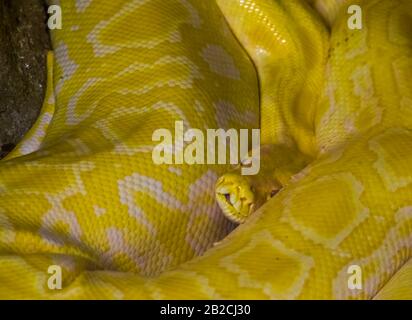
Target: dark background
point(24, 42)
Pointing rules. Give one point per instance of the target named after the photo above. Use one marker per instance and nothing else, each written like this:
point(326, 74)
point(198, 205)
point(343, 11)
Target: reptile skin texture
point(81, 190)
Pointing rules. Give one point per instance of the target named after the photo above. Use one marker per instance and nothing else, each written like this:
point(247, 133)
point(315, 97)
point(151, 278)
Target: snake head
point(239, 196)
point(235, 197)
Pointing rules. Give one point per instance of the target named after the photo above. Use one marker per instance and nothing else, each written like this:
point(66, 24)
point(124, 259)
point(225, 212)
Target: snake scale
point(81, 190)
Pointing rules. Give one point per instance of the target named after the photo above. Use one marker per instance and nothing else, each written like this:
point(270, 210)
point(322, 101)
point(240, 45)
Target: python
point(171, 149)
point(123, 227)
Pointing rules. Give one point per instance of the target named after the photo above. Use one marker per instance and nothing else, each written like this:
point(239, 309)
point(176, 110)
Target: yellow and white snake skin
point(81, 190)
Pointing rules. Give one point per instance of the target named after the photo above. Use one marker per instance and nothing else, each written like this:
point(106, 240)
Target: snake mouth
point(235, 197)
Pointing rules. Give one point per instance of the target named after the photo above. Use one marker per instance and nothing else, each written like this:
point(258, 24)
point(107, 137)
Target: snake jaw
point(235, 197)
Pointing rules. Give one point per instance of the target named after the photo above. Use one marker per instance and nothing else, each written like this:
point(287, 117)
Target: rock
point(24, 41)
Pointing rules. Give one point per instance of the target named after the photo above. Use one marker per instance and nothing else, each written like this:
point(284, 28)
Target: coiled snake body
point(81, 190)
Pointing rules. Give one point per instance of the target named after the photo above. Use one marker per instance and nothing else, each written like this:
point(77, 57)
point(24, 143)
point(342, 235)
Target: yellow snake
point(81, 191)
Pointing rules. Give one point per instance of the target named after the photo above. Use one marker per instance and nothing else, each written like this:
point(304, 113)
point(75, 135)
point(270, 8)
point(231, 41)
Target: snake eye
point(273, 193)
